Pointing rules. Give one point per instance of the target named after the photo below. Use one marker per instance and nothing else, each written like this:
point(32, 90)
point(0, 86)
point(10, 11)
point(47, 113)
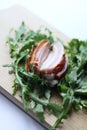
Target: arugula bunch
point(73, 86)
point(35, 91)
point(76, 76)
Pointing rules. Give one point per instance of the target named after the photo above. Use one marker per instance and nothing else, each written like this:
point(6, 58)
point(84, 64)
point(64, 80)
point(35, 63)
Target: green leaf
point(8, 65)
point(39, 108)
point(27, 46)
point(81, 91)
point(19, 32)
point(47, 94)
point(55, 108)
point(84, 103)
point(63, 88)
point(40, 112)
point(32, 104)
point(72, 76)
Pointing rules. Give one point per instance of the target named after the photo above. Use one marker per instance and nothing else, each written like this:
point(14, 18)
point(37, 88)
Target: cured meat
point(49, 63)
point(38, 55)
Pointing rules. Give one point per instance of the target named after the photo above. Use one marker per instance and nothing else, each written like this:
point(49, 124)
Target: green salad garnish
point(35, 92)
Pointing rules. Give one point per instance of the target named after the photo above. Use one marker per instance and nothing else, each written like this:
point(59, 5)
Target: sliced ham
point(51, 64)
point(62, 72)
point(38, 55)
point(54, 59)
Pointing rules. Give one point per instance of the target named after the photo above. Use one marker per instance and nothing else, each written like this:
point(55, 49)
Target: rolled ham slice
point(55, 60)
point(38, 55)
point(49, 63)
point(62, 72)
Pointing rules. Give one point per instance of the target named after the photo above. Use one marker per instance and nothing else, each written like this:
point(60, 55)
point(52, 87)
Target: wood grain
point(13, 17)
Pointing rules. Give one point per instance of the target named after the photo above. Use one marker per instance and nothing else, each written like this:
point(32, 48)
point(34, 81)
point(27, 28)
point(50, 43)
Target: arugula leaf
point(32, 104)
point(55, 108)
point(66, 106)
point(47, 94)
point(84, 103)
point(72, 76)
point(40, 112)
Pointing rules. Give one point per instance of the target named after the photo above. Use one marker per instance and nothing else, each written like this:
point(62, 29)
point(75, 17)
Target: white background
point(69, 16)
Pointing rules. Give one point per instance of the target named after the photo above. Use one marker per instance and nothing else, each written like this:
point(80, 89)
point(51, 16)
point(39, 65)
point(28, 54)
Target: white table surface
point(69, 16)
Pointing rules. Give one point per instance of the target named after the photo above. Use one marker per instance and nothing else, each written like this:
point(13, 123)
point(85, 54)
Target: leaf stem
point(40, 101)
point(67, 101)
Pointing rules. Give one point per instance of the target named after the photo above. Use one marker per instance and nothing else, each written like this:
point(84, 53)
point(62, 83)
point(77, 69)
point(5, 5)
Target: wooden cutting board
point(13, 17)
